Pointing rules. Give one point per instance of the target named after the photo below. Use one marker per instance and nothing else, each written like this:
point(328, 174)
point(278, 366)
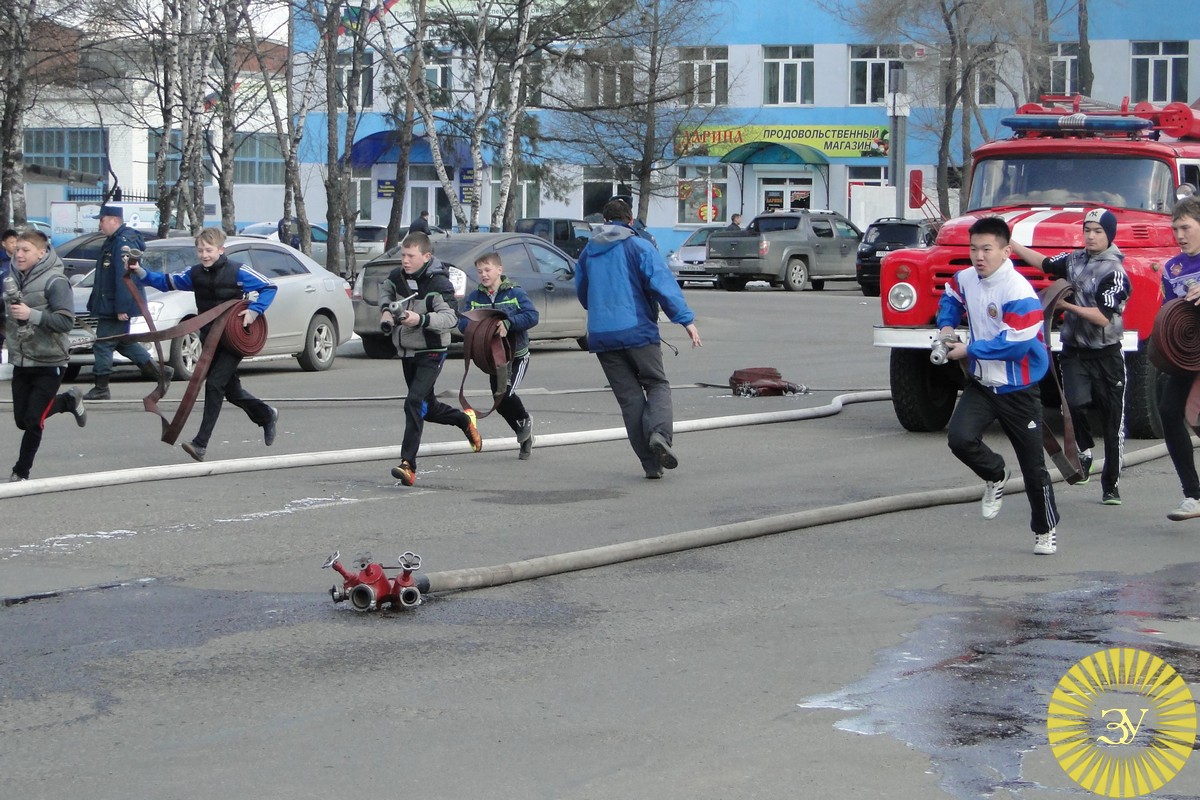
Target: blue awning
point(383, 147)
point(774, 153)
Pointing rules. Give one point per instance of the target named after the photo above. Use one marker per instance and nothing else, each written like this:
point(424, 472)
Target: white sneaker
point(1188, 509)
point(1045, 544)
point(993, 496)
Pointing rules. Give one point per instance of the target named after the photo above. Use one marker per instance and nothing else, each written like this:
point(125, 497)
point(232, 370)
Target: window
point(516, 261)
point(81, 149)
point(985, 83)
point(548, 262)
point(608, 78)
point(788, 75)
point(703, 195)
point(1160, 72)
point(257, 159)
point(601, 184)
point(1064, 68)
point(271, 263)
point(174, 155)
point(439, 77)
point(822, 228)
point(526, 195)
point(704, 76)
point(366, 89)
point(870, 72)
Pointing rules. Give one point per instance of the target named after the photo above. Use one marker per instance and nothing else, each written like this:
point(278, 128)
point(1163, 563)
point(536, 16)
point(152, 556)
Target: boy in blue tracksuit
point(215, 280)
point(497, 292)
point(622, 280)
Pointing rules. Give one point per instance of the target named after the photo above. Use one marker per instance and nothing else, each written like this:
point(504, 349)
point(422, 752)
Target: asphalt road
point(906, 655)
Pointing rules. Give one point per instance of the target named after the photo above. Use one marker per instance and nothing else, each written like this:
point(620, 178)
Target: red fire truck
point(1067, 155)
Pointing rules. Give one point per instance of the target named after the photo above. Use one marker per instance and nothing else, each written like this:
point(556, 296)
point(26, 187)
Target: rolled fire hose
point(227, 329)
point(1066, 457)
point(486, 348)
point(1175, 349)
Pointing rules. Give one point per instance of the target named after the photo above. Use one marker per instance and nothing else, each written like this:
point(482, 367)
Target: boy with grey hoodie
point(1093, 365)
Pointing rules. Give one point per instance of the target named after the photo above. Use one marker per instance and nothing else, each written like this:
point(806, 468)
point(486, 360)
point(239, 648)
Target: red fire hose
point(1175, 340)
point(226, 329)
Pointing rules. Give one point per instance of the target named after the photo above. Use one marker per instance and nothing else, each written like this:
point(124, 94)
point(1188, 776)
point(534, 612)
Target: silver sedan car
point(310, 317)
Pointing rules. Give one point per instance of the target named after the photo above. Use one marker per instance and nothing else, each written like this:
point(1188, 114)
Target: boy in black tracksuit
point(498, 293)
point(417, 301)
point(1093, 366)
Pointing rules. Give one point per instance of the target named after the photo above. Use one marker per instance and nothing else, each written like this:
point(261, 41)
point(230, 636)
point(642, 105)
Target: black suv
point(883, 235)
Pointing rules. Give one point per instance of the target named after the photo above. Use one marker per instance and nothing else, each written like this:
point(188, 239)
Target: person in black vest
point(113, 305)
point(214, 280)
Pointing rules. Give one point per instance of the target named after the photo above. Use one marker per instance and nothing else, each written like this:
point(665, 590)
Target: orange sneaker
point(405, 472)
point(472, 432)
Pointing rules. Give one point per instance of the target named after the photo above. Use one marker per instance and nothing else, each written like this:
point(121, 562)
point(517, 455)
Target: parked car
point(792, 248)
point(688, 262)
point(369, 238)
point(309, 318)
point(568, 235)
point(544, 271)
point(79, 254)
point(882, 236)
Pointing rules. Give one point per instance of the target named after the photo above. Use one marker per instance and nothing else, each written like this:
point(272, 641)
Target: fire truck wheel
point(922, 395)
point(1141, 396)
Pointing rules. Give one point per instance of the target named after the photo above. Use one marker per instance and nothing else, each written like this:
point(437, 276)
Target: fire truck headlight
point(902, 297)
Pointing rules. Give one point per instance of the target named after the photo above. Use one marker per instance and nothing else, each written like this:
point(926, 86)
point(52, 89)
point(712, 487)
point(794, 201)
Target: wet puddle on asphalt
point(970, 687)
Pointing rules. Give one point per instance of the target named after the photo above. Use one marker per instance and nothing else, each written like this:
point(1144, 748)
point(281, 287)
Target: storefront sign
point(834, 141)
point(385, 188)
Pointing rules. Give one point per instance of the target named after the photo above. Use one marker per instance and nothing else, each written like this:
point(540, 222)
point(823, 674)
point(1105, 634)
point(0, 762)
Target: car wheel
point(185, 354)
point(796, 275)
point(320, 345)
point(869, 289)
point(817, 285)
point(581, 341)
point(71, 373)
point(732, 283)
point(378, 346)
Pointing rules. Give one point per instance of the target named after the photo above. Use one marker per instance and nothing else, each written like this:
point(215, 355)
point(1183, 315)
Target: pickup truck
point(791, 248)
point(568, 235)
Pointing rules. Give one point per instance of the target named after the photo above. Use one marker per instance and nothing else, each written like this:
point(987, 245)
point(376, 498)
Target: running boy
point(1181, 278)
point(418, 299)
point(214, 280)
point(1093, 366)
point(497, 292)
point(1006, 357)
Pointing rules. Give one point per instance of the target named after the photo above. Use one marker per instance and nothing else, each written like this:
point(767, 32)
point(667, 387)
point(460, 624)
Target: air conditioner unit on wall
point(913, 52)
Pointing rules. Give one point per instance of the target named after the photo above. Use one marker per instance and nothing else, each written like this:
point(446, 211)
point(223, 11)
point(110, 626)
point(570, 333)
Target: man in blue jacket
point(622, 281)
point(113, 304)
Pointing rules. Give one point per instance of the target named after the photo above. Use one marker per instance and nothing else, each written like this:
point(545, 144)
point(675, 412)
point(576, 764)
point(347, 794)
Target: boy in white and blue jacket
point(1006, 357)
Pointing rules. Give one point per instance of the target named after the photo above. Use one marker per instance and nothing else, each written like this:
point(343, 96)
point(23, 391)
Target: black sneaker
point(194, 450)
point(1085, 463)
point(269, 428)
point(1112, 498)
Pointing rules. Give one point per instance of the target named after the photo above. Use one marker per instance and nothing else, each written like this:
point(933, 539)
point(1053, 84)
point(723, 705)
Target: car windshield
point(1058, 180)
point(773, 223)
point(892, 233)
point(699, 236)
point(168, 259)
point(370, 234)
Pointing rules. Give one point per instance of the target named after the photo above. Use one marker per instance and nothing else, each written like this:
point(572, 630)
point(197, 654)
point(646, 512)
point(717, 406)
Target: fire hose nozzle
point(940, 349)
